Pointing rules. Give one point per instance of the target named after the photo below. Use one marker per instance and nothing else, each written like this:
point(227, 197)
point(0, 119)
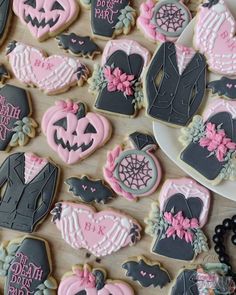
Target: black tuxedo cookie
point(26, 265)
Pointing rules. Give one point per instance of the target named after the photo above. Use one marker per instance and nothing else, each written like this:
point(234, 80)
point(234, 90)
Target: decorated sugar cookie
point(89, 190)
point(5, 17)
point(73, 132)
point(176, 222)
point(147, 273)
point(54, 74)
point(45, 19)
point(211, 139)
point(163, 20)
point(101, 233)
point(17, 126)
point(133, 172)
point(174, 84)
point(214, 37)
point(27, 267)
point(110, 18)
point(24, 174)
point(78, 45)
point(118, 81)
point(84, 280)
point(225, 87)
point(211, 278)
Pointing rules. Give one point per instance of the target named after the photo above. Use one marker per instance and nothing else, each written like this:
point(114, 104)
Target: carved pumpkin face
point(72, 133)
point(45, 17)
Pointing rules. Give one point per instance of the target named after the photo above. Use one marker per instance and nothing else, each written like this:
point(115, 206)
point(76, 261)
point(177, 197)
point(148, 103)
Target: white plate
point(167, 137)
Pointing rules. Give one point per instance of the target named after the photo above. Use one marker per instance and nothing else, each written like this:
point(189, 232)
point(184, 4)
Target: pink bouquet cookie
point(46, 18)
point(163, 20)
point(215, 37)
point(73, 132)
point(176, 223)
point(84, 280)
point(133, 172)
point(54, 74)
point(101, 233)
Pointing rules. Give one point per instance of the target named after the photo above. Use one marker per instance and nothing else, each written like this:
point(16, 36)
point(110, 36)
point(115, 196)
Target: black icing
point(61, 123)
point(82, 46)
point(224, 87)
point(5, 9)
point(117, 102)
point(147, 275)
point(210, 3)
point(57, 6)
point(104, 16)
point(178, 248)
point(100, 279)
point(141, 140)
point(31, 253)
point(11, 46)
point(18, 211)
point(31, 3)
point(12, 100)
point(176, 98)
point(89, 190)
point(90, 129)
point(81, 293)
point(4, 74)
point(198, 157)
point(185, 283)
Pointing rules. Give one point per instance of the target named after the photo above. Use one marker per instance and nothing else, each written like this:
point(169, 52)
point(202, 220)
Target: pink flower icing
point(216, 141)
point(180, 226)
point(68, 105)
point(118, 81)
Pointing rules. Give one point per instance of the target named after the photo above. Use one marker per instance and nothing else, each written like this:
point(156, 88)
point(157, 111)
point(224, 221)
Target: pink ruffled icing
point(68, 105)
point(118, 81)
point(216, 141)
point(180, 226)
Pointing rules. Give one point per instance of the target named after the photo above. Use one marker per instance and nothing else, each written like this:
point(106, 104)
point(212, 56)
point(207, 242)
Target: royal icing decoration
point(163, 20)
point(46, 18)
point(101, 233)
point(110, 18)
point(118, 81)
point(214, 37)
point(146, 273)
point(4, 74)
point(24, 174)
point(89, 190)
point(53, 74)
point(16, 125)
point(211, 140)
point(224, 87)
point(81, 46)
point(210, 279)
point(133, 172)
point(175, 84)
point(5, 16)
point(85, 280)
point(176, 223)
point(74, 133)
point(26, 265)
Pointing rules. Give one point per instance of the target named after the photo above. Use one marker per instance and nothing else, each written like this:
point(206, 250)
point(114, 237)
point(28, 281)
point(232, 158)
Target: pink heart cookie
point(53, 74)
point(46, 18)
point(84, 280)
point(72, 132)
point(101, 233)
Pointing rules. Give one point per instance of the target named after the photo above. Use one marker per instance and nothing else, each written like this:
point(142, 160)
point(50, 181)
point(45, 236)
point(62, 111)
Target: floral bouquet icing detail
point(175, 224)
point(211, 139)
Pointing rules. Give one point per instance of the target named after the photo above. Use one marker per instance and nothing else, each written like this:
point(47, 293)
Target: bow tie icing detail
point(217, 142)
point(180, 226)
point(185, 50)
point(68, 105)
point(36, 159)
point(118, 81)
point(87, 279)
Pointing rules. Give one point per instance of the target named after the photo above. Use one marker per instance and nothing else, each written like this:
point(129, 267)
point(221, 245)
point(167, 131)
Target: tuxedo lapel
point(192, 65)
point(19, 167)
point(42, 175)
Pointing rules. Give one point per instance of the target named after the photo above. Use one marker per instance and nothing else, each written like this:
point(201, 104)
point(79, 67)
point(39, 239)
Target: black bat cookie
point(89, 190)
point(146, 274)
point(224, 86)
point(81, 46)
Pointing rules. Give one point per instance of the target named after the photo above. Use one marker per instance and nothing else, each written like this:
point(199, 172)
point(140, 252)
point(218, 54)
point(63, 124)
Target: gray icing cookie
point(78, 45)
point(224, 87)
point(146, 273)
point(89, 190)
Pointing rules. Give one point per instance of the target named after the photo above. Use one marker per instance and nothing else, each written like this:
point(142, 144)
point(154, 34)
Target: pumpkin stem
point(81, 113)
point(100, 279)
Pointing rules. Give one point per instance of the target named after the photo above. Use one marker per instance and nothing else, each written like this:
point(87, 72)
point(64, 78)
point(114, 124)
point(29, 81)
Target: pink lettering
point(37, 63)
point(106, 10)
point(87, 226)
point(50, 66)
point(101, 230)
